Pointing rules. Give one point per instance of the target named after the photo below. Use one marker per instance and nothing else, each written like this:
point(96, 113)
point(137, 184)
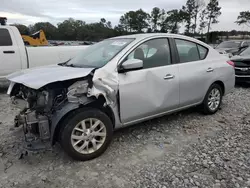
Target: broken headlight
point(77, 89)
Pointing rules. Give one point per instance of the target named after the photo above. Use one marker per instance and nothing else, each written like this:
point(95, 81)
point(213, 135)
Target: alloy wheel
point(88, 136)
point(214, 99)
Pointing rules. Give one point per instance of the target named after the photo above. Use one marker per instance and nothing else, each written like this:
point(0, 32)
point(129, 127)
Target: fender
point(65, 109)
point(59, 114)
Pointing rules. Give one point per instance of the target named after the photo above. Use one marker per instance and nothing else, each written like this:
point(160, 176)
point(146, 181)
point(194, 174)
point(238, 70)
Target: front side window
point(99, 54)
point(5, 39)
point(153, 53)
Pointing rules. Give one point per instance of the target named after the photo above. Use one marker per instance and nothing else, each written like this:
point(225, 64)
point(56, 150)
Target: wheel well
point(221, 84)
point(99, 104)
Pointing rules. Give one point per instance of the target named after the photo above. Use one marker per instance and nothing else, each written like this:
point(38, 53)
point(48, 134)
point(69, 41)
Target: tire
point(210, 109)
point(26, 43)
point(73, 132)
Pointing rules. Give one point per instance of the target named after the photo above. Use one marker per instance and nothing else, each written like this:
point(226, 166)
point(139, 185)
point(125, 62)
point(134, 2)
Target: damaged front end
point(36, 111)
point(41, 110)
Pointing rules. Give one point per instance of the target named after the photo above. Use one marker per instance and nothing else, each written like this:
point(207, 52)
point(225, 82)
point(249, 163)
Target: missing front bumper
point(36, 129)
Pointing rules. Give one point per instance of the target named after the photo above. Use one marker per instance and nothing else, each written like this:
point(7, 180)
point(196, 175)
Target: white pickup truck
point(14, 56)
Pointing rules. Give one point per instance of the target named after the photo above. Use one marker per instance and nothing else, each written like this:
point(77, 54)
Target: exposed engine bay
point(44, 104)
point(38, 107)
point(42, 101)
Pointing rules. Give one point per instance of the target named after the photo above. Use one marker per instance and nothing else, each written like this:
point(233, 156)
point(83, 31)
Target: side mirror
point(130, 64)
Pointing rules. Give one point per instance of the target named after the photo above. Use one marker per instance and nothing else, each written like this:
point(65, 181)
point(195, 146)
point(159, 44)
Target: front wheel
point(87, 134)
point(212, 100)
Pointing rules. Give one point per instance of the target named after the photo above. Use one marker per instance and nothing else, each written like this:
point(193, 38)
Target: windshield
point(99, 54)
point(229, 44)
point(246, 51)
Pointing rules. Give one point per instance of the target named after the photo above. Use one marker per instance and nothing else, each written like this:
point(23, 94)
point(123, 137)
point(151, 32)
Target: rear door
point(155, 88)
point(196, 73)
point(10, 60)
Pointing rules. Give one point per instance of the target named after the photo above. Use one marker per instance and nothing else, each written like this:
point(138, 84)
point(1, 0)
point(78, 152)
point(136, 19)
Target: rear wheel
point(87, 134)
point(213, 98)
point(26, 43)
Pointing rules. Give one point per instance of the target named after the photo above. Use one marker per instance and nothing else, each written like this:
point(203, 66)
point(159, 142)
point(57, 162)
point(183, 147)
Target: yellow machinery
point(36, 39)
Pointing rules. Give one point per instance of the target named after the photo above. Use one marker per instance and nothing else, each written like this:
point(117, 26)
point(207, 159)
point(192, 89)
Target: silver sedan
point(116, 83)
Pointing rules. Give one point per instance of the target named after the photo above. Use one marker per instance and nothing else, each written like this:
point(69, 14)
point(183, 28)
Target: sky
point(31, 11)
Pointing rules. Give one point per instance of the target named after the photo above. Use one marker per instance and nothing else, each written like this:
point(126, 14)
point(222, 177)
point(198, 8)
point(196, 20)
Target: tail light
point(231, 63)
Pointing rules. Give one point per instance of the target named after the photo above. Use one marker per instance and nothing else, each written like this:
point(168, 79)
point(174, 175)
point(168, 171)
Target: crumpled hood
point(38, 77)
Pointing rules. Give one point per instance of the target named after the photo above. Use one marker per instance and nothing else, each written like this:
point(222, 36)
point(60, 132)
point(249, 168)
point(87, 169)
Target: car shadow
point(166, 125)
point(3, 89)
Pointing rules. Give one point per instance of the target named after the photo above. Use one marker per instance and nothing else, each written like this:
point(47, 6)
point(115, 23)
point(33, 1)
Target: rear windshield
point(246, 51)
point(229, 44)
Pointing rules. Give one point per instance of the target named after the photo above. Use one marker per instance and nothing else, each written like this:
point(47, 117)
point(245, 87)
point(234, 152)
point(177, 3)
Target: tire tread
point(70, 121)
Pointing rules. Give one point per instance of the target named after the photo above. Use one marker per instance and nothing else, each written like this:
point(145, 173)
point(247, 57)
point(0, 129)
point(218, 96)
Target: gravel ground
point(185, 149)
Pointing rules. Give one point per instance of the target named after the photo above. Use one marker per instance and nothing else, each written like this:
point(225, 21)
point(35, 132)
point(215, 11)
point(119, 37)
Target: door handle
point(8, 52)
point(168, 77)
point(210, 70)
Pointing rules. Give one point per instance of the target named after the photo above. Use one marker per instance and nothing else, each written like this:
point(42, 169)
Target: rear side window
point(203, 51)
point(190, 51)
point(5, 39)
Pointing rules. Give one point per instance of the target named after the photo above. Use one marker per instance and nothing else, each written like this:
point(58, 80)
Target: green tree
point(78, 30)
point(172, 21)
point(70, 29)
point(203, 21)
point(49, 29)
point(119, 30)
point(24, 30)
point(135, 21)
point(233, 32)
point(98, 32)
point(106, 23)
point(199, 5)
point(109, 24)
point(155, 18)
point(189, 13)
point(103, 21)
point(126, 22)
point(244, 18)
point(3, 20)
point(213, 12)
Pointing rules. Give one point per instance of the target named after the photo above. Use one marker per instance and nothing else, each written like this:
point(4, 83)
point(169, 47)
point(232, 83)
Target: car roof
point(236, 41)
point(139, 37)
point(146, 35)
point(233, 41)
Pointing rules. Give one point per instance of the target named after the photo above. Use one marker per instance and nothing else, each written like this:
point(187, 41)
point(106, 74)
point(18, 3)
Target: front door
point(153, 89)
point(9, 53)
